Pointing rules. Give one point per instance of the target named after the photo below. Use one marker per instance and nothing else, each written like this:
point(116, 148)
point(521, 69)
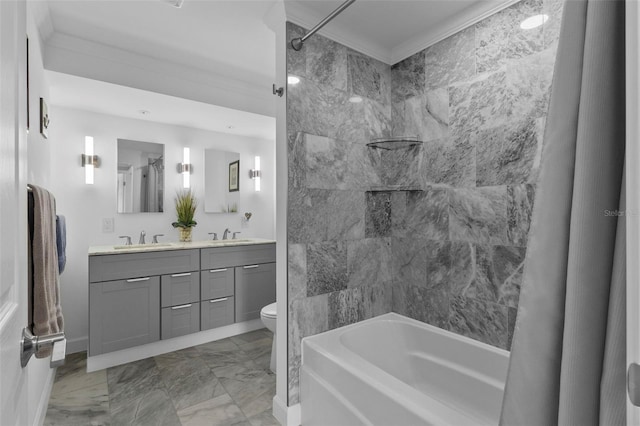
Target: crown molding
point(297, 13)
point(300, 15)
point(72, 55)
point(447, 28)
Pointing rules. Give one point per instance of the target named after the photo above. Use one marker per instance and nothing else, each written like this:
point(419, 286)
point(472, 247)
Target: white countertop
point(138, 248)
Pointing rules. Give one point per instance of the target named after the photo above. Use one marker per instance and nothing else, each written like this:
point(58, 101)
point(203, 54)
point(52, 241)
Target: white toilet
point(268, 317)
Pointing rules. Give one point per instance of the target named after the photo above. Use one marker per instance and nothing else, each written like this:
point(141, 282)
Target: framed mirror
point(221, 181)
point(140, 177)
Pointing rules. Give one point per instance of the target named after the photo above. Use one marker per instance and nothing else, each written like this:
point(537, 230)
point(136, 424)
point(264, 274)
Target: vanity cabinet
point(142, 297)
point(254, 289)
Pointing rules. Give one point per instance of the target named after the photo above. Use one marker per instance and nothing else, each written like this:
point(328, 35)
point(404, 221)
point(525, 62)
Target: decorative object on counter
point(234, 176)
point(247, 216)
point(186, 204)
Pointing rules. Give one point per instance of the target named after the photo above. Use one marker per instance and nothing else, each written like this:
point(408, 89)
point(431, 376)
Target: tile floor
point(227, 382)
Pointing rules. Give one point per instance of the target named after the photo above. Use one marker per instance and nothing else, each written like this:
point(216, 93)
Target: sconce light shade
point(256, 174)
point(185, 168)
point(89, 160)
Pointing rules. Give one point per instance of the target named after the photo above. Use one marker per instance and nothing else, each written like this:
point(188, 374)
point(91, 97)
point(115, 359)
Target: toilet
point(268, 317)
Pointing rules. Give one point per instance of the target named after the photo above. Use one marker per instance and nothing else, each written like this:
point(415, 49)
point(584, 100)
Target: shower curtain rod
point(297, 43)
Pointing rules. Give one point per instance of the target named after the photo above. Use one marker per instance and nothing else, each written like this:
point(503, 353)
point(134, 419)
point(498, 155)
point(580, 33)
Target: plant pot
point(185, 235)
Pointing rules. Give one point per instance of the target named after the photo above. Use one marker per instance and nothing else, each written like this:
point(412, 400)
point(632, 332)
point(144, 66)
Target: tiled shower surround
point(437, 232)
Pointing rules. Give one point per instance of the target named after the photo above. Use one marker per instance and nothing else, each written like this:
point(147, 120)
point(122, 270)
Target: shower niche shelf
point(395, 144)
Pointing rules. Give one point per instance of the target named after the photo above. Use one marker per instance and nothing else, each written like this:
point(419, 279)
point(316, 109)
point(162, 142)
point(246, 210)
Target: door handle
point(250, 266)
point(135, 280)
point(222, 299)
point(218, 270)
point(186, 274)
point(188, 305)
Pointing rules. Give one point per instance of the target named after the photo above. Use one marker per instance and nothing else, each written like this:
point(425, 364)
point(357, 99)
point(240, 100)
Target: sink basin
point(141, 246)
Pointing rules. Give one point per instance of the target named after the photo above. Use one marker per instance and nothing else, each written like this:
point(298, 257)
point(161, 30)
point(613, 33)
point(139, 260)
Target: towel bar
point(31, 344)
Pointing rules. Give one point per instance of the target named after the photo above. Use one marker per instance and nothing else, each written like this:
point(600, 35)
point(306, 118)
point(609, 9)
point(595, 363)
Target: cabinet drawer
point(178, 289)
point(132, 265)
point(224, 257)
point(255, 288)
point(216, 313)
point(180, 320)
point(217, 283)
point(123, 314)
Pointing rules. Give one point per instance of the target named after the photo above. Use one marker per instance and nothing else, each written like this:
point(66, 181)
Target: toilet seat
point(269, 311)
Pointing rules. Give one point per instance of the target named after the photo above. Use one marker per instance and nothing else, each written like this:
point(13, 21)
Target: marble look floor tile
point(451, 60)
point(153, 407)
point(83, 406)
point(221, 354)
point(500, 38)
point(264, 419)
point(216, 411)
point(258, 348)
point(250, 387)
point(251, 336)
point(129, 381)
point(408, 77)
point(326, 267)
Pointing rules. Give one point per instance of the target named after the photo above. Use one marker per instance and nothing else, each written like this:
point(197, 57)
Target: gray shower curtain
point(567, 363)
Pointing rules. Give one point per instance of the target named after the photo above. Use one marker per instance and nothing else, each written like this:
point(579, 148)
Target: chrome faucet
point(155, 238)
point(141, 241)
point(128, 242)
point(235, 235)
point(215, 235)
point(225, 236)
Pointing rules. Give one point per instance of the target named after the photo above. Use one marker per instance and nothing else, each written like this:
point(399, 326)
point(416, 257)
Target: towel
point(45, 285)
point(61, 242)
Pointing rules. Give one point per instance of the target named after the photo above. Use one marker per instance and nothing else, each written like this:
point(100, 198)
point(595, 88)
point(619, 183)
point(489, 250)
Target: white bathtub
point(392, 370)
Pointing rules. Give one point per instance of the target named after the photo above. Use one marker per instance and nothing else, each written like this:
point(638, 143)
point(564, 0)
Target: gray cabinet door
point(255, 288)
point(216, 313)
point(133, 265)
point(230, 256)
point(178, 289)
point(217, 283)
point(123, 314)
point(180, 320)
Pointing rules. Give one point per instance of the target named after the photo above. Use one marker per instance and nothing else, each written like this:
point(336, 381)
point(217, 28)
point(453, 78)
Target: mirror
point(221, 181)
point(140, 177)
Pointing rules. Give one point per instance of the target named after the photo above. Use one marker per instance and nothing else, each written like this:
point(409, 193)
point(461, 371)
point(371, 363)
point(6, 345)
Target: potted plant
point(186, 204)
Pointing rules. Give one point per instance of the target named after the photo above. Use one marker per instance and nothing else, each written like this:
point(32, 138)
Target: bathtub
point(392, 370)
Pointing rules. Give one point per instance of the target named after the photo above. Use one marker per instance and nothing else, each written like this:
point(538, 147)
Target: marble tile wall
point(339, 271)
point(478, 100)
point(437, 233)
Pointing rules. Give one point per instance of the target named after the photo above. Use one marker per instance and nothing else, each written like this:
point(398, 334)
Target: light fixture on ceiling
point(256, 174)
point(292, 79)
point(89, 160)
point(185, 168)
point(175, 3)
point(533, 22)
point(355, 99)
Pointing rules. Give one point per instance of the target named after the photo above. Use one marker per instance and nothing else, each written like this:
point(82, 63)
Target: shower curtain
point(567, 363)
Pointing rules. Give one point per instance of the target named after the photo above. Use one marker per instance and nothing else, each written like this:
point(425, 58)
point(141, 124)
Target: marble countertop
point(138, 248)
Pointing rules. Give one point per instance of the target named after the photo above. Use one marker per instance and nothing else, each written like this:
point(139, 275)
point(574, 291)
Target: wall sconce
point(89, 160)
point(255, 174)
point(186, 168)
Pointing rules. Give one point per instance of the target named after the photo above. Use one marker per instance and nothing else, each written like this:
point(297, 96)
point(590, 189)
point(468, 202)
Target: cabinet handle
point(186, 274)
point(218, 300)
point(135, 280)
point(218, 270)
point(250, 266)
point(173, 308)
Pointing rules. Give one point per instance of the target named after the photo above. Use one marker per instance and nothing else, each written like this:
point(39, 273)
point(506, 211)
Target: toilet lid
point(269, 310)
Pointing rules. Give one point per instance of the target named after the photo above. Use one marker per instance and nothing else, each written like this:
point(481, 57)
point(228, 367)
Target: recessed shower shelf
point(394, 144)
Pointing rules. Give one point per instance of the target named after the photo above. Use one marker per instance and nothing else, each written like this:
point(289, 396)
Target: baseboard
point(287, 416)
point(43, 404)
point(111, 359)
point(79, 344)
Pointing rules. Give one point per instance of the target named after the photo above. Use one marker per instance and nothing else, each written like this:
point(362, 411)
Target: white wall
point(85, 206)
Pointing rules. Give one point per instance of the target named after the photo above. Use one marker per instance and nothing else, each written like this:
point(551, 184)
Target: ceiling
point(221, 46)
